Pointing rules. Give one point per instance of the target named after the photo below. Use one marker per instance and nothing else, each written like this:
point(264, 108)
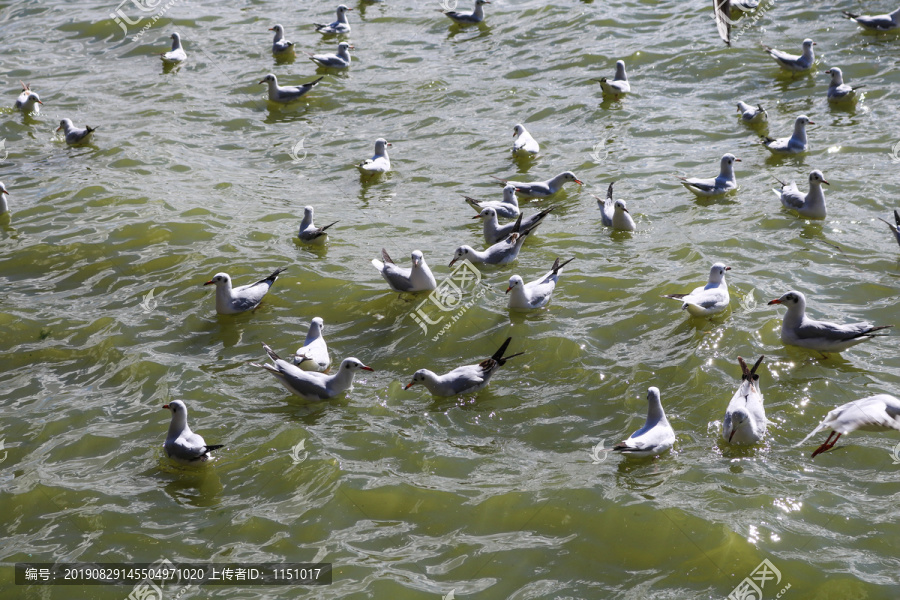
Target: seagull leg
point(826, 446)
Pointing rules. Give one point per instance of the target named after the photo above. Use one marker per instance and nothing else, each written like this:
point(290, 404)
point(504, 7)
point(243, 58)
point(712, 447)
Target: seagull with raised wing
point(342, 25)
point(231, 301)
point(541, 189)
point(523, 143)
point(838, 91)
point(534, 294)
point(709, 299)
point(614, 213)
point(745, 418)
point(183, 445)
point(313, 354)
point(895, 229)
point(726, 181)
point(312, 385)
point(463, 380)
point(287, 93)
point(75, 136)
point(28, 102)
point(810, 205)
point(340, 60)
point(501, 253)
point(380, 163)
point(468, 18)
point(880, 412)
point(884, 22)
point(308, 232)
point(793, 62)
point(4, 205)
point(655, 437)
point(280, 45)
point(752, 114)
point(795, 144)
point(495, 233)
point(418, 278)
point(508, 208)
point(176, 54)
point(618, 86)
point(799, 330)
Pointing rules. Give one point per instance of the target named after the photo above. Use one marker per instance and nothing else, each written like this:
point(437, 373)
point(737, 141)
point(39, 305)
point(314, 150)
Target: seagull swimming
point(614, 214)
point(838, 91)
point(537, 293)
point(308, 232)
point(342, 25)
point(341, 60)
point(810, 205)
point(312, 385)
point(182, 444)
point(874, 413)
point(4, 205)
point(524, 144)
point(895, 229)
point(750, 114)
point(793, 145)
point(508, 208)
point(465, 18)
point(501, 253)
point(709, 299)
point(28, 101)
point(793, 62)
point(495, 233)
point(74, 135)
point(176, 54)
point(279, 44)
point(313, 354)
point(288, 93)
point(231, 301)
point(724, 183)
point(619, 85)
point(884, 22)
point(541, 189)
point(745, 418)
point(799, 330)
point(380, 163)
point(655, 437)
point(419, 278)
point(463, 380)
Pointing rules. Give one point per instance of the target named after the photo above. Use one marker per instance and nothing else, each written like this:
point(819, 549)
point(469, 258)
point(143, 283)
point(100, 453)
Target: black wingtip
point(897, 216)
point(556, 266)
point(498, 355)
point(275, 274)
point(518, 224)
point(609, 192)
point(213, 447)
point(386, 256)
point(327, 226)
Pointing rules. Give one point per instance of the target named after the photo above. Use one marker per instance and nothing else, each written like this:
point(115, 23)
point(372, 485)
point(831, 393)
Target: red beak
point(409, 385)
point(775, 301)
point(165, 406)
point(365, 368)
point(209, 282)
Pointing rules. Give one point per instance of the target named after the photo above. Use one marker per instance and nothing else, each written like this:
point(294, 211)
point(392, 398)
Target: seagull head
point(738, 418)
point(418, 259)
point(717, 273)
point(837, 76)
point(344, 46)
point(518, 130)
point(353, 364)
point(808, 44)
point(461, 252)
point(620, 205)
point(65, 125)
point(33, 98)
point(270, 79)
point(277, 29)
point(219, 279)
point(514, 281)
point(418, 377)
point(343, 8)
point(3, 189)
point(790, 300)
point(620, 69)
point(486, 213)
point(482, 1)
point(728, 160)
point(317, 326)
point(817, 177)
point(308, 211)
point(570, 176)
point(803, 120)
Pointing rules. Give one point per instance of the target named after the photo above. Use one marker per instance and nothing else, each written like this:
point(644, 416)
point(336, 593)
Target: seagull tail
point(322, 229)
point(675, 296)
point(609, 192)
point(849, 15)
point(270, 352)
point(271, 278)
point(266, 367)
point(213, 447)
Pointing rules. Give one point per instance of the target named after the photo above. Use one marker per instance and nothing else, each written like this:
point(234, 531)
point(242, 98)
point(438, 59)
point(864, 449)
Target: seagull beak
point(737, 160)
point(389, 144)
point(365, 368)
point(351, 47)
point(409, 385)
point(814, 44)
point(579, 182)
point(166, 406)
point(727, 268)
point(451, 262)
point(507, 290)
point(775, 301)
point(811, 123)
point(263, 81)
point(626, 210)
point(58, 128)
point(825, 182)
point(39, 102)
point(209, 282)
point(271, 29)
point(732, 435)
point(477, 217)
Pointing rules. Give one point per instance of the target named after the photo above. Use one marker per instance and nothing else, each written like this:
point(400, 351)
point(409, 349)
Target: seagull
point(655, 437)
point(614, 214)
point(182, 444)
point(709, 299)
point(792, 62)
point(619, 85)
point(313, 354)
point(288, 93)
point(242, 298)
point(875, 22)
point(27, 100)
point(342, 25)
point(380, 163)
point(745, 418)
point(308, 232)
point(895, 229)
point(541, 189)
point(811, 205)
point(880, 412)
point(4, 205)
point(494, 232)
point(838, 91)
point(501, 253)
point(341, 60)
point(799, 330)
point(464, 18)
point(524, 144)
point(508, 208)
point(750, 114)
point(176, 54)
point(724, 9)
point(312, 385)
point(535, 294)
point(463, 380)
point(419, 278)
point(793, 145)
point(724, 183)
point(279, 44)
point(74, 135)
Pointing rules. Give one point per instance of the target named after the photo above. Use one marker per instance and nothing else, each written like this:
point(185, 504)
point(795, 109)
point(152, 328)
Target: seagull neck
point(279, 35)
point(794, 316)
point(307, 222)
point(344, 53)
point(800, 132)
point(837, 79)
point(656, 414)
point(478, 13)
point(176, 44)
point(808, 53)
point(313, 334)
point(343, 379)
point(620, 73)
point(178, 427)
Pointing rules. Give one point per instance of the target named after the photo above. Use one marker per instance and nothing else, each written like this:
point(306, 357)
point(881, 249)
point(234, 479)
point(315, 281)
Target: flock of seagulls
point(308, 375)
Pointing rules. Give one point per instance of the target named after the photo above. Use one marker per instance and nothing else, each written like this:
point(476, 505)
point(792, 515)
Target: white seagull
point(419, 278)
point(750, 114)
point(313, 354)
point(541, 189)
point(724, 183)
point(279, 44)
point(793, 62)
point(745, 418)
point(709, 299)
point(182, 444)
point(463, 380)
point(508, 208)
point(725, 15)
point(655, 437)
point(231, 301)
point(342, 25)
point(466, 18)
point(341, 60)
point(791, 145)
point(618, 86)
point(810, 205)
point(76, 136)
point(895, 229)
point(288, 93)
point(838, 91)
point(4, 205)
point(495, 233)
point(501, 253)
point(876, 22)
point(176, 54)
point(28, 101)
point(799, 330)
point(312, 385)
point(535, 294)
point(524, 144)
point(874, 413)
point(380, 163)
point(614, 214)
point(308, 232)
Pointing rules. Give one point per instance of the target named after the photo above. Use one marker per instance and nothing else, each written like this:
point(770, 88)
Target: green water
point(496, 496)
